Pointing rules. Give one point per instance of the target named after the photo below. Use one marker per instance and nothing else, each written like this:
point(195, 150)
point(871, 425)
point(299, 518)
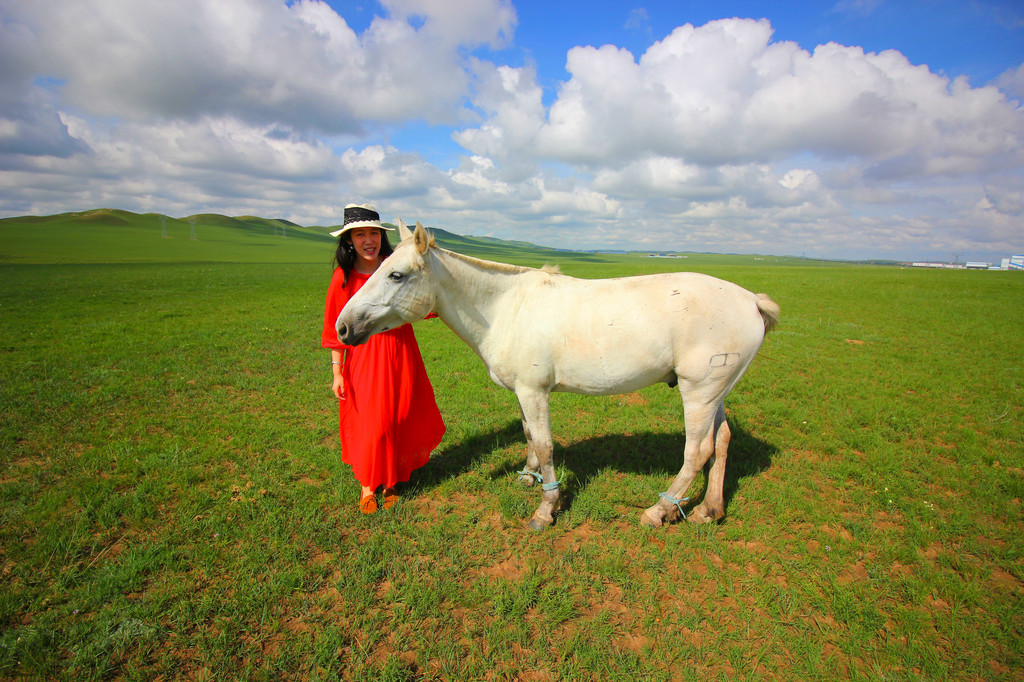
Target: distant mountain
point(109, 235)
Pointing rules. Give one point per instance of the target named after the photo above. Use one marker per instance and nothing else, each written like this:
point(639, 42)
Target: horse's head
point(399, 292)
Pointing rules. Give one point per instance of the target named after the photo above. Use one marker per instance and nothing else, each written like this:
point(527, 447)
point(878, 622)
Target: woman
point(388, 419)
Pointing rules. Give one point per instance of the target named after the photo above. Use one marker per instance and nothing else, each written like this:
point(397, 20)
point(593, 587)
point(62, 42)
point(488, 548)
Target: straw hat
point(360, 215)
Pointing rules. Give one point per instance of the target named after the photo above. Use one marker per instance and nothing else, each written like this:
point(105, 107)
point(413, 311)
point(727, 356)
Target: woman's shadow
point(645, 453)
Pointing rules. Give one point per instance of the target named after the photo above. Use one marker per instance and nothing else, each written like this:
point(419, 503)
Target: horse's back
point(678, 304)
point(617, 335)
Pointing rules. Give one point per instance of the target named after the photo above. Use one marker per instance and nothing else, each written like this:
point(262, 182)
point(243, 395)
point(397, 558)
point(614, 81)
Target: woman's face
point(366, 241)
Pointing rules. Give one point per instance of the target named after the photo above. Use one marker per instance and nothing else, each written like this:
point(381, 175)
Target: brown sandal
point(368, 504)
point(390, 498)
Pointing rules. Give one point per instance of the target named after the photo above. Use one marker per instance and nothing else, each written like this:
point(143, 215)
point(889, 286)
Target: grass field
point(172, 505)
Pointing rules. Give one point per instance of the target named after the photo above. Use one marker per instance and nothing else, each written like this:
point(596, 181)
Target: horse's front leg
point(528, 476)
point(537, 425)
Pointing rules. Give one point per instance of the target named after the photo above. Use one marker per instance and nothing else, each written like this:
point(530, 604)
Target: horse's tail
point(769, 310)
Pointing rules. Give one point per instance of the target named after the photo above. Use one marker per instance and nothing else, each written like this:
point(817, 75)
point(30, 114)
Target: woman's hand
point(337, 369)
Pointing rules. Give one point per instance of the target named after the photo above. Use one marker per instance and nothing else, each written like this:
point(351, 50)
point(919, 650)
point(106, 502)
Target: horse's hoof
point(539, 524)
point(649, 520)
point(527, 481)
point(672, 515)
point(700, 515)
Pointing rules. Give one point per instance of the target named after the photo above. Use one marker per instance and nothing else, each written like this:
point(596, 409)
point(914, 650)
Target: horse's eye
point(395, 276)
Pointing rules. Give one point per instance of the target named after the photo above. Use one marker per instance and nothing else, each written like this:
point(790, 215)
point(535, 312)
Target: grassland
point(172, 505)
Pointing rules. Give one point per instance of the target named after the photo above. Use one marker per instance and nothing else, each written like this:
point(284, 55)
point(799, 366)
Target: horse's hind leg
point(700, 420)
point(712, 507)
point(537, 425)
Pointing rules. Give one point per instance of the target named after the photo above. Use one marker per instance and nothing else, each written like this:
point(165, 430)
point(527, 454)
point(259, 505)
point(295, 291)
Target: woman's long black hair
point(345, 255)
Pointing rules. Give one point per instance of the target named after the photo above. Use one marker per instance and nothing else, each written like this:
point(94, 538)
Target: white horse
point(539, 331)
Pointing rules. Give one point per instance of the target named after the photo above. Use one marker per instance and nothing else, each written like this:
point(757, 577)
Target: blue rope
point(540, 479)
point(677, 502)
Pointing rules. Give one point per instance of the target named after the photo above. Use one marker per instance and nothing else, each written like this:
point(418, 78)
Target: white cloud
point(454, 23)
point(639, 20)
point(997, 215)
point(714, 138)
point(31, 125)
point(719, 124)
point(800, 177)
point(1011, 82)
point(381, 173)
point(512, 102)
point(212, 104)
point(724, 93)
point(261, 61)
point(655, 176)
point(175, 167)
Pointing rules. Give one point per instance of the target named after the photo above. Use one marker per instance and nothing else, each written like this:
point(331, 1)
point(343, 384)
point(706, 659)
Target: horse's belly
point(610, 374)
point(610, 385)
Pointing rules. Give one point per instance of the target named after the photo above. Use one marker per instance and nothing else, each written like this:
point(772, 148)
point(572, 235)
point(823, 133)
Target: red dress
point(389, 421)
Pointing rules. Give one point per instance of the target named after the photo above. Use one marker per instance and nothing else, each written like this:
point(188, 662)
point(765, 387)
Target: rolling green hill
point(116, 236)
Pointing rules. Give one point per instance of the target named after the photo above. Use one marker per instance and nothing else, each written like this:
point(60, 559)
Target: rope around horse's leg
point(525, 473)
point(676, 501)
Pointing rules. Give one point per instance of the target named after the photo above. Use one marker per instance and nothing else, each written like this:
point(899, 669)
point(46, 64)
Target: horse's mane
point(488, 265)
point(492, 266)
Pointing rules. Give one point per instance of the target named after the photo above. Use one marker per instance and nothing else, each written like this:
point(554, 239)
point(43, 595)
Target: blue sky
point(850, 129)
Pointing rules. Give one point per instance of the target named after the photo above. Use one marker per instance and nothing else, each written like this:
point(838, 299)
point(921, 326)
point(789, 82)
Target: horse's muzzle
point(348, 335)
point(344, 334)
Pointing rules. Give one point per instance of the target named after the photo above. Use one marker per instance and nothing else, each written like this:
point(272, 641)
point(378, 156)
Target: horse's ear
point(403, 229)
point(421, 237)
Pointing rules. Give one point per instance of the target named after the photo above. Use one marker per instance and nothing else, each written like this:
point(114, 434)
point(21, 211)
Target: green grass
point(172, 503)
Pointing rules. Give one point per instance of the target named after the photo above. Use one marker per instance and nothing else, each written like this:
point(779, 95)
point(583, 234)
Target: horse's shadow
point(467, 454)
point(644, 453)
